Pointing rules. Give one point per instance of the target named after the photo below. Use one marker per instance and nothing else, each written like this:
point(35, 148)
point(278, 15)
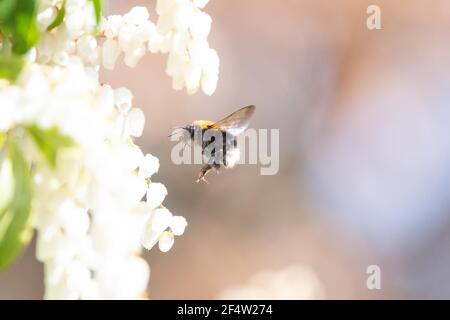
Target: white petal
point(113, 25)
point(179, 43)
point(183, 17)
point(201, 25)
point(137, 15)
point(131, 156)
point(149, 166)
point(209, 84)
point(61, 58)
point(160, 219)
point(200, 3)
point(163, 6)
point(150, 237)
point(136, 119)
point(211, 62)
point(175, 64)
point(133, 56)
point(110, 53)
point(134, 189)
point(45, 17)
point(177, 225)
point(78, 277)
point(156, 193)
point(105, 98)
point(192, 76)
point(166, 241)
point(123, 98)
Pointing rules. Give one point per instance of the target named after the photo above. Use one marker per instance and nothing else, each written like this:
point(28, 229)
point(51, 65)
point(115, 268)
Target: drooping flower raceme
point(181, 31)
point(98, 205)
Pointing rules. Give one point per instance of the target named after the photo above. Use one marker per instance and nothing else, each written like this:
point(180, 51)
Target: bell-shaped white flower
point(160, 219)
point(123, 99)
point(166, 241)
point(149, 166)
point(178, 224)
point(110, 53)
point(156, 193)
point(136, 122)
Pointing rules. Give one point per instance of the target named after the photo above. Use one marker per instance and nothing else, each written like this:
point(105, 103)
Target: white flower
point(123, 99)
point(200, 3)
point(87, 49)
point(161, 228)
point(149, 166)
point(166, 241)
point(178, 224)
point(156, 193)
point(46, 17)
point(110, 53)
point(160, 220)
point(137, 122)
point(209, 84)
point(137, 15)
point(112, 26)
point(201, 25)
point(133, 56)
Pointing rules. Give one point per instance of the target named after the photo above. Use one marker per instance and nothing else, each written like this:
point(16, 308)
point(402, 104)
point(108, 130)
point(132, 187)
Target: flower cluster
point(75, 36)
point(181, 31)
point(95, 210)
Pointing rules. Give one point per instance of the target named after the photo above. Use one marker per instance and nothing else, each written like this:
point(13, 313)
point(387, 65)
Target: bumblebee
point(218, 140)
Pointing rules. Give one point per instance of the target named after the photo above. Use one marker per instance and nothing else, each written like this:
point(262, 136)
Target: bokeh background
point(364, 119)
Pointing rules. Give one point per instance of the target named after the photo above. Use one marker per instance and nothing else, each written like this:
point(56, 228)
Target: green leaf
point(98, 10)
point(2, 141)
point(19, 24)
point(23, 27)
point(6, 7)
point(10, 67)
point(6, 184)
point(50, 142)
point(59, 17)
point(15, 226)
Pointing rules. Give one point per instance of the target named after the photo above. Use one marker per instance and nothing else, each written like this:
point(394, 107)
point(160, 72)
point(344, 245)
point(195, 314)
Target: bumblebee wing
point(236, 122)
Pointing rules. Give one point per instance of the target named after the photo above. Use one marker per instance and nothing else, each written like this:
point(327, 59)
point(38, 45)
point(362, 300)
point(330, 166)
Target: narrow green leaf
point(59, 17)
point(6, 184)
point(2, 140)
point(15, 227)
point(50, 142)
point(10, 67)
point(98, 10)
point(19, 24)
point(23, 26)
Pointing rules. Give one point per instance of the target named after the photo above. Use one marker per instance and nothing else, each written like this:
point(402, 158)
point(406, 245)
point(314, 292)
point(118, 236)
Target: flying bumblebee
point(218, 140)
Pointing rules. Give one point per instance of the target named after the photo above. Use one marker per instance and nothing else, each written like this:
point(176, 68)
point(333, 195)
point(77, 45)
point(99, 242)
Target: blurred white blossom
point(293, 282)
point(95, 210)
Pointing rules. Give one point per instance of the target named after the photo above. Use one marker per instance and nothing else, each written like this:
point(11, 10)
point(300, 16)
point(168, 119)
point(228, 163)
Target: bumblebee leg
point(203, 172)
point(216, 168)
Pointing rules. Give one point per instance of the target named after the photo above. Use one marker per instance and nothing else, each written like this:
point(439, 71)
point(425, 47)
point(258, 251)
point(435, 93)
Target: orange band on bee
point(203, 124)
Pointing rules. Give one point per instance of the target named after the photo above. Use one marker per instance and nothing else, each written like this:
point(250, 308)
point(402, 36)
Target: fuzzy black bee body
point(224, 153)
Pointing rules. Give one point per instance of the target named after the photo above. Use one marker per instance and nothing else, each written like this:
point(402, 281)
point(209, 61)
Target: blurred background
point(364, 120)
